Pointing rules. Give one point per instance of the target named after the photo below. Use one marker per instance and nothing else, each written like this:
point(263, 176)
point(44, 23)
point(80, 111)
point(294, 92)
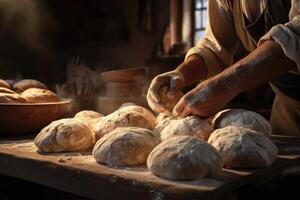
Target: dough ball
point(69, 134)
point(162, 116)
point(4, 84)
point(37, 95)
point(127, 104)
point(242, 118)
point(184, 158)
point(129, 116)
point(162, 124)
point(28, 83)
point(7, 91)
point(192, 126)
point(90, 114)
point(12, 98)
point(92, 117)
point(243, 148)
point(125, 146)
point(144, 111)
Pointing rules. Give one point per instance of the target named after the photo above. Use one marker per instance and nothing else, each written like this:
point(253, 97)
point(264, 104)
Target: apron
point(285, 116)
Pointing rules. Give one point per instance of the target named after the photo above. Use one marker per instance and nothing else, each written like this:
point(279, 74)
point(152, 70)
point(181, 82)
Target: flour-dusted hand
point(168, 85)
point(204, 100)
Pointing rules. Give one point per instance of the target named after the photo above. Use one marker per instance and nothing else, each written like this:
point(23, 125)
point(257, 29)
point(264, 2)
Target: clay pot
point(125, 75)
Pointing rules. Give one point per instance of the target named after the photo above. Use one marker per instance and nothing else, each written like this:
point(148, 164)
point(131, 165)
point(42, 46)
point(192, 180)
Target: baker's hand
point(173, 80)
point(205, 100)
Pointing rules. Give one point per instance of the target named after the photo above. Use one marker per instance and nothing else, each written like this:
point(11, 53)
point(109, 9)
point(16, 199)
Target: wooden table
point(79, 174)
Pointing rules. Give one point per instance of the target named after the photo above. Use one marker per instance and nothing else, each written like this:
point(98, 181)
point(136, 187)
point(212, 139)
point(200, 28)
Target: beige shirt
point(226, 30)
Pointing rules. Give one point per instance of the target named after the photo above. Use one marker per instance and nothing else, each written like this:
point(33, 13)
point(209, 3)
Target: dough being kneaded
point(184, 158)
point(192, 126)
point(28, 83)
point(243, 148)
point(68, 134)
point(242, 118)
point(37, 95)
point(129, 116)
point(125, 146)
point(12, 98)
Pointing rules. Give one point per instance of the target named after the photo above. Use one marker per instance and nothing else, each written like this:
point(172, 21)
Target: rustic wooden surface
point(78, 173)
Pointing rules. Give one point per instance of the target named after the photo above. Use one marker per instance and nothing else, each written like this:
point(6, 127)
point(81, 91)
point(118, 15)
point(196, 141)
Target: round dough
point(192, 126)
point(144, 111)
point(7, 91)
point(162, 116)
point(125, 146)
point(92, 117)
point(90, 114)
point(243, 148)
point(12, 98)
point(28, 83)
point(127, 104)
point(129, 116)
point(4, 84)
point(184, 158)
point(242, 118)
point(37, 95)
point(70, 134)
point(162, 124)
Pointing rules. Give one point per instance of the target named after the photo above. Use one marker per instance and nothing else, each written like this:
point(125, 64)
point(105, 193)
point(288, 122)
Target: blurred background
point(40, 38)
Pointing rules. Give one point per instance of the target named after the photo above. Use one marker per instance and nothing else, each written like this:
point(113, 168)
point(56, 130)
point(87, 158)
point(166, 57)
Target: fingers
point(184, 107)
point(155, 86)
point(174, 87)
point(155, 106)
point(179, 107)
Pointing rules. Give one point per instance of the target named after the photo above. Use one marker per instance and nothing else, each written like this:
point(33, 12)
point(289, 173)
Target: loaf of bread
point(129, 116)
point(4, 84)
point(242, 118)
point(69, 134)
point(192, 126)
point(12, 98)
point(92, 117)
point(125, 146)
point(184, 158)
point(163, 123)
point(7, 91)
point(90, 114)
point(37, 95)
point(243, 148)
point(28, 83)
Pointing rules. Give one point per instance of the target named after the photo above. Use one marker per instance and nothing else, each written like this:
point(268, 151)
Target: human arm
point(206, 59)
point(278, 52)
point(265, 63)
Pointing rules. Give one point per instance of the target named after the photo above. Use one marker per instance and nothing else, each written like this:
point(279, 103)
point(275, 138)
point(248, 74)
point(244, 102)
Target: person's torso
point(252, 20)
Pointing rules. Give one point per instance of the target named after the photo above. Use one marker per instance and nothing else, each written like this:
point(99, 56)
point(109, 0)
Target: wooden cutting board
point(78, 173)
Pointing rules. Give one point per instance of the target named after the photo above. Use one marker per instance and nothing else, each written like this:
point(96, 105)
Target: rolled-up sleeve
point(220, 41)
point(288, 35)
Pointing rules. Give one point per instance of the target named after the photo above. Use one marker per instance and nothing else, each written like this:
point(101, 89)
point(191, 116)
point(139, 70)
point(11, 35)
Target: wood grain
point(78, 173)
